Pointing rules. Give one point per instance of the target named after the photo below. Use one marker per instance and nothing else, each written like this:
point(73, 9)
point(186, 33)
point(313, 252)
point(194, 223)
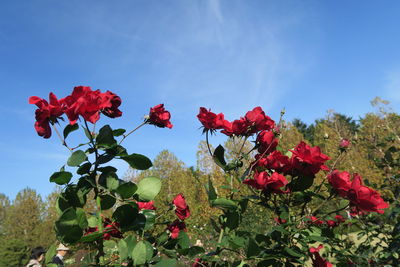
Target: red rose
point(237, 128)
point(354, 211)
point(258, 120)
point(278, 162)
point(210, 120)
point(181, 208)
point(90, 230)
point(88, 103)
point(272, 183)
point(345, 143)
point(340, 219)
point(175, 227)
point(199, 263)
point(314, 220)
point(331, 223)
point(146, 205)
point(83, 102)
point(340, 181)
point(259, 182)
point(276, 182)
point(306, 160)
point(365, 198)
point(316, 258)
point(280, 220)
point(266, 142)
point(111, 229)
point(109, 104)
point(46, 113)
point(160, 117)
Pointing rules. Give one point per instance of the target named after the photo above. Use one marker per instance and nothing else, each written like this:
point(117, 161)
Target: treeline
point(25, 223)
point(374, 152)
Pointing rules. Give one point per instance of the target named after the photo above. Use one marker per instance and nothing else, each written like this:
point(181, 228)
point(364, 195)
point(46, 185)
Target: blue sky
point(230, 56)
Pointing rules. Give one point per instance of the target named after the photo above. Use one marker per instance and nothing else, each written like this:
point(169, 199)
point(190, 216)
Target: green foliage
point(232, 223)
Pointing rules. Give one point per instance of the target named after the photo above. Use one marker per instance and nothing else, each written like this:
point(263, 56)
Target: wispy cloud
point(230, 57)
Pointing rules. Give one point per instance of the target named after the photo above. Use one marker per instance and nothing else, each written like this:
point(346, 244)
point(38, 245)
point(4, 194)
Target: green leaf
point(61, 177)
point(167, 263)
point(211, 190)
point(252, 248)
point(67, 227)
point(107, 169)
point(84, 168)
point(293, 252)
point(81, 218)
point(104, 158)
point(301, 183)
point(237, 242)
point(138, 161)
point(219, 157)
point(223, 203)
point(74, 196)
point(76, 158)
point(123, 249)
point(131, 243)
point(88, 134)
point(192, 251)
point(91, 237)
point(232, 220)
point(317, 238)
point(125, 215)
point(148, 188)
point(149, 251)
point(139, 253)
point(105, 138)
point(61, 204)
point(112, 181)
point(162, 238)
point(150, 218)
point(107, 202)
point(118, 132)
point(126, 190)
point(93, 221)
point(51, 251)
point(183, 240)
point(70, 128)
point(86, 184)
point(117, 150)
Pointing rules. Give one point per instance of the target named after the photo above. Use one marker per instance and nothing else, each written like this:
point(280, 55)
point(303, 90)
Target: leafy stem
point(62, 139)
point(126, 135)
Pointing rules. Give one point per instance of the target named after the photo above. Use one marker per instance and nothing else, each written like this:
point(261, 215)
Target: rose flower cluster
point(110, 229)
point(270, 166)
point(316, 258)
point(182, 211)
point(361, 197)
point(83, 102)
point(88, 104)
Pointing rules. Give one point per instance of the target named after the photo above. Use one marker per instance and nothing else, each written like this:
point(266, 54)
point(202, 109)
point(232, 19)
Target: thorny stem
point(208, 144)
point(126, 135)
point(336, 211)
point(244, 142)
point(323, 203)
point(221, 235)
point(62, 139)
point(330, 171)
point(262, 155)
point(99, 256)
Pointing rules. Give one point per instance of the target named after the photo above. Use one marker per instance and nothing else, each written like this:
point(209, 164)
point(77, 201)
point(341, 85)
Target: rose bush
point(314, 207)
